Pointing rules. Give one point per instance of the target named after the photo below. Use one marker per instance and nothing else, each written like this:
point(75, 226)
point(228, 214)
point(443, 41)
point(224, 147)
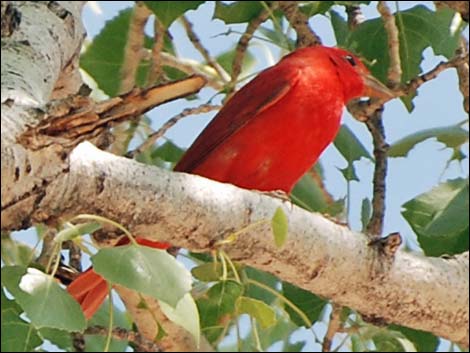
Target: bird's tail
point(90, 289)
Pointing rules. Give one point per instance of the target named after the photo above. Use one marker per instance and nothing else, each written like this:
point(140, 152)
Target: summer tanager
point(269, 133)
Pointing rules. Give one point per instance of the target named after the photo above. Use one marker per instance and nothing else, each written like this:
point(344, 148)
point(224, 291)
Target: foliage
point(35, 307)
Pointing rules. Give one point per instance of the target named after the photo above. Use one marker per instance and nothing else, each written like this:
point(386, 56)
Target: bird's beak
point(376, 89)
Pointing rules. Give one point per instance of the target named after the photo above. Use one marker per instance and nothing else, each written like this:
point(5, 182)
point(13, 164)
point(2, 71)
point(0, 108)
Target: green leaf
point(74, 231)
point(217, 306)
point(279, 224)
point(349, 145)
point(256, 292)
point(104, 57)
point(279, 332)
point(101, 318)
point(60, 338)
point(96, 343)
point(185, 315)
point(419, 28)
point(386, 341)
point(439, 218)
point(212, 271)
point(226, 61)
point(340, 28)
point(307, 302)
point(15, 252)
point(17, 334)
point(263, 313)
point(423, 341)
point(43, 300)
point(168, 152)
point(237, 11)
point(349, 173)
point(313, 8)
point(168, 11)
point(366, 212)
point(278, 38)
point(9, 305)
point(209, 272)
point(149, 271)
point(351, 149)
point(452, 136)
point(309, 194)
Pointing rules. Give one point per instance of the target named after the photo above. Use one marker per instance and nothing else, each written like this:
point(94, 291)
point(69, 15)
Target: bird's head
point(356, 78)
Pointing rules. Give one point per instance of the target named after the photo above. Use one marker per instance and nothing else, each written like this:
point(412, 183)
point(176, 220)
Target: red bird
point(269, 133)
point(275, 128)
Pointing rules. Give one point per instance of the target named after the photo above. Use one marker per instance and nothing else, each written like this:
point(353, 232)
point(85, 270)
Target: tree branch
point(375, 126)
point(155, 73)
point(192, 67)
point(194, 38)
point(460, 6)
point(242, 46)
point(305, 35)
point(330, 260)
point(394, 70)
point(463, 72)
point(122, 334)
point(334, 325)
point(152, 138)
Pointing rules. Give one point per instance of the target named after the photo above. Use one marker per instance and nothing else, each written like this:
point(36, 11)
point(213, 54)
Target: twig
point(361, 110)
point(193, 37)
point(463, 72)
point(460, 6)
point(48, 247)
point(376, 128)
point(132, 56)
point(333, 327)
point(193, 67)
point(156, 68)
point(415, 83)
point(139, 341)
point(242, 46)
point(394, 70)
point(299, 21)
point(375, 125)
point(355, 16)
point(205, 108)
point(134, 45)
point(75, 255)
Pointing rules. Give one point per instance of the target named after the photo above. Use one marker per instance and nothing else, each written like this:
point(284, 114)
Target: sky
point(439, 103)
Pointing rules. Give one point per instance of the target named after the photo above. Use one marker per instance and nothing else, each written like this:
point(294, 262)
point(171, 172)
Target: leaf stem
point(111, 319)
point(108, 221)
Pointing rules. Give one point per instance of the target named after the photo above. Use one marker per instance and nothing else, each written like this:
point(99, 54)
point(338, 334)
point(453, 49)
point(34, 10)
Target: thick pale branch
point(330, 260)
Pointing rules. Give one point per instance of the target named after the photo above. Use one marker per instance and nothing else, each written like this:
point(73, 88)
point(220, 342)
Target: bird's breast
point(279, 145)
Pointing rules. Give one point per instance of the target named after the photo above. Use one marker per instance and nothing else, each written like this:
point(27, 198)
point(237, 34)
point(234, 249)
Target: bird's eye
point(350, 60)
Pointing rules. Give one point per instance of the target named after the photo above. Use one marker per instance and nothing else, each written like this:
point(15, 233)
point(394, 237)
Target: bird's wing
point(263, 92)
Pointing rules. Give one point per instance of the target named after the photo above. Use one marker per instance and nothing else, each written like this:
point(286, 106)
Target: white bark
point(330, 260)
